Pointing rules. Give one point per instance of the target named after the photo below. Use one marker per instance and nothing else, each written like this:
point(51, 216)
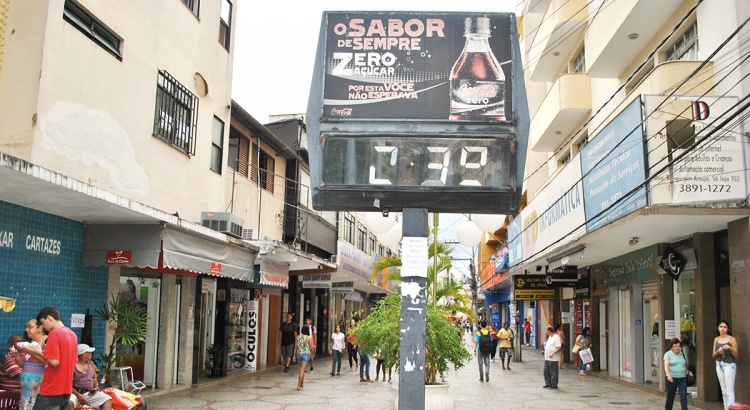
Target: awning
point(141, 246)
point(273, 273)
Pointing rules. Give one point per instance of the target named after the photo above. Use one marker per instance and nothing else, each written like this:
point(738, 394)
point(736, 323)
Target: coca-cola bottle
point(477, 81)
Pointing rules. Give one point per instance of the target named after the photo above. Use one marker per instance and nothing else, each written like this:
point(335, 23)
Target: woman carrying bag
point(675, 368)
point(583, 341)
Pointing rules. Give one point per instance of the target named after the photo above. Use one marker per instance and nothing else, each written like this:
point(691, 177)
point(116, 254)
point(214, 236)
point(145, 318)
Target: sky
point(276, 41)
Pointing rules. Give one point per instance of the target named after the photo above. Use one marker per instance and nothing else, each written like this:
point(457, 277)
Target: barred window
point(175, 120)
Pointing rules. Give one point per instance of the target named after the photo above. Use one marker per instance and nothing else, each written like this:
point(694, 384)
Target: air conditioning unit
point(248, 234)
point(334, 258)
point(223, 222)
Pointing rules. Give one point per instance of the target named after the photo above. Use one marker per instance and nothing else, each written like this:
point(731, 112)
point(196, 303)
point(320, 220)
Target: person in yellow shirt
point(505, 335)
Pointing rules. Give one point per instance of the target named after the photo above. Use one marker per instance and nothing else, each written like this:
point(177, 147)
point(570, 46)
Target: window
point(193, 5)
point(579, 63)
point(217, 145)
point(565, 159)
point(239, 151)
point(86, 24)
point(361, 237)
point(226, 23)
point(349, 228)
point(686, 45)
point(262, 168)
point(373, 242)
point(381, 250)
point(176, 115)
point(582, 143)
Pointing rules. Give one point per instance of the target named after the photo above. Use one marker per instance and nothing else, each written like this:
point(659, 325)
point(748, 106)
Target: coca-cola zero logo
point(484, 92)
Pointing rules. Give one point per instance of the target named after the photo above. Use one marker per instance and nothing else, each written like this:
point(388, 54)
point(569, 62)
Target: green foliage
point(379, 333)
point(214, 356)
point(128, 323)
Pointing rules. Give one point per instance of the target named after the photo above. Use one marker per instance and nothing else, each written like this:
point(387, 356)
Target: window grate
point(175, 120)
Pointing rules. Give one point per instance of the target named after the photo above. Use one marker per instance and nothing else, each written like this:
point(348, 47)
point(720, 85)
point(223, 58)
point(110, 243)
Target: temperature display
point(407, 161)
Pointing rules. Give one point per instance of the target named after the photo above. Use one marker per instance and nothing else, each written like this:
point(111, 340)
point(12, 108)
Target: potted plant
point(128, 324)
point(214, 360)
point(379, 331)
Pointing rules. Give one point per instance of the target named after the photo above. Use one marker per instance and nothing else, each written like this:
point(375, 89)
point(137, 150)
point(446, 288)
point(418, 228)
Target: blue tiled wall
point(36, 279)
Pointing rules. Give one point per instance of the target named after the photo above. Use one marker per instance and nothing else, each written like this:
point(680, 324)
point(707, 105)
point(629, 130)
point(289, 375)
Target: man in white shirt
point(551, 369)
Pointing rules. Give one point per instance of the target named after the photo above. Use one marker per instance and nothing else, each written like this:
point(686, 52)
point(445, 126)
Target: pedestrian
point(303, 354)
point(725, 353)
point(60, 358)
point(583, 341)
point(527, 329)
point(493, 334)
point(337, 351)
point(314, 342)
point(675, 368)
point(559, 332)
point(505, 336)
point(364, 368)
point(352, 349)
point(482, 350)
point(287, 338)
point(552, 347)
point(33, 369)
point(11, 366)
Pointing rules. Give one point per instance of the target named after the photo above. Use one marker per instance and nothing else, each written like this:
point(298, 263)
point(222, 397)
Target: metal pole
point(413, 310)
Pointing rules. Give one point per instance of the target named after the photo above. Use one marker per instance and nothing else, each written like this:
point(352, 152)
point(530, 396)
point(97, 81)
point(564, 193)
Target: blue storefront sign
point(515, 245)
point(613, 164)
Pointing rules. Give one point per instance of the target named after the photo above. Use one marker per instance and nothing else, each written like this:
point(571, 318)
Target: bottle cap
point(477, 25)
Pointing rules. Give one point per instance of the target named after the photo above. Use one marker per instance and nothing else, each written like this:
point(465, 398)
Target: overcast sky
point(276, 41)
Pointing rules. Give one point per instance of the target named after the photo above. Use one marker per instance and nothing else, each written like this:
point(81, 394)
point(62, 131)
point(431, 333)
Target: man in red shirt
point(60, 355)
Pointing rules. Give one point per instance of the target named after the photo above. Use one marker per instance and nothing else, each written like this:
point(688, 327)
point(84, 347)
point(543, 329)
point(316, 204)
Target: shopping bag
point(122, 400)
point(576, 348)
point(586, 355)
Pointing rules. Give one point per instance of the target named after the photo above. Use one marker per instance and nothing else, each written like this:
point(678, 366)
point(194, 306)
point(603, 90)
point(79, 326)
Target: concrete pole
point(413, 310)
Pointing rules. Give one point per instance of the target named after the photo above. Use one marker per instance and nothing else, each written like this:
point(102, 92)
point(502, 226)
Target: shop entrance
point(141, 357)
point(207, 318)
point(652, 360)
point(603, 335)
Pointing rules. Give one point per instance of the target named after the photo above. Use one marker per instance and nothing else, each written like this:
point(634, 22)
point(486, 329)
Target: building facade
point(637, 178)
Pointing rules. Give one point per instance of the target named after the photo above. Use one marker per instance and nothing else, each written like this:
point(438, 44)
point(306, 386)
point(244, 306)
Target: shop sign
point(215, 268)
point(353, 260)
point(342, 287)
point(566, 277)
point(711, 171)
point(670, 329)
point(252, 336)
point(599, 279)
point(672, 262)
point(613, 165)
point(532, 287)
point(119, 257)
point(634, 267)
point(354, 296)
point(317, 281)
point(270, 279)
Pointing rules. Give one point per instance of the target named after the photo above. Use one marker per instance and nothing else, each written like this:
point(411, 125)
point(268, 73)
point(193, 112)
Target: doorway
point(652, 362)
point(141, 356)
point(207, 318)
point(603, 335)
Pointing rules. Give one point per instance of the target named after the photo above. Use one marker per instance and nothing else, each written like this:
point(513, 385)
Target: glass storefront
point(141, 357)
point(626, 350)
point(237, 329)
point(684, 312)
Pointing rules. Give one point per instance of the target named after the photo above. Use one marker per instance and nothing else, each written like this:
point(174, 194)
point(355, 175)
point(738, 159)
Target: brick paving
point(518, 388)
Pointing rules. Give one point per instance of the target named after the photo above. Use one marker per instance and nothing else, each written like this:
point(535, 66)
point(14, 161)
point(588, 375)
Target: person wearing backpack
point(482, 350)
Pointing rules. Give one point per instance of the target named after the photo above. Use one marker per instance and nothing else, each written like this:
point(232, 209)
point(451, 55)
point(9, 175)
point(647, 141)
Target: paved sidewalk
point(517, 388)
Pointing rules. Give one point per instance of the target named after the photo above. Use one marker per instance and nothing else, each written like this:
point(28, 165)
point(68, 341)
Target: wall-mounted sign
point(252, 336)
point(77, 320)
point(342, 287)
point(119, 257)
point(672, 262)
point(532, 287)
point(317, 281)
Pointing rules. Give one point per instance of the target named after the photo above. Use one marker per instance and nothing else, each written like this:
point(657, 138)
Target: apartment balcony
point(559, 32)
point(566, 105)
point(664, 77)
point(621, 31)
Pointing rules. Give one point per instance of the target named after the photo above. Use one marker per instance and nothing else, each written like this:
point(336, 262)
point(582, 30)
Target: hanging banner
point(342, 287)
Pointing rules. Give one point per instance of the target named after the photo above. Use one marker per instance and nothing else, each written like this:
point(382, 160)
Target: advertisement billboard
point(433, 66)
